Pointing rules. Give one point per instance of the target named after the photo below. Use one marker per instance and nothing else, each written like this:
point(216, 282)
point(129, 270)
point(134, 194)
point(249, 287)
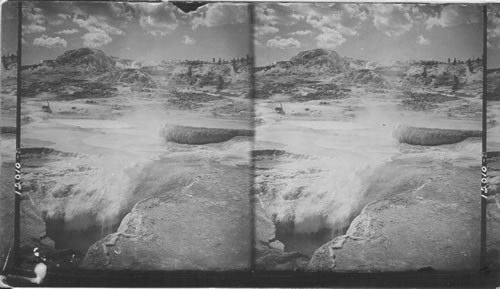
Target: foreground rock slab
point(430, 220)
point(204, 225)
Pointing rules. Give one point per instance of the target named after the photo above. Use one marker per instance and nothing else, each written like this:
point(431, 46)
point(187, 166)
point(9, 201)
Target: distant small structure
point(279, 109)
point(46, 108)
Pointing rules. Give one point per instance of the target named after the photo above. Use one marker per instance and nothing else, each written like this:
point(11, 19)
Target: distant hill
point(87, 70)
point(323, 62)
point(317, 62)
point(87, 59)
point(443, 74)
point(320, 59)
point(309, 61)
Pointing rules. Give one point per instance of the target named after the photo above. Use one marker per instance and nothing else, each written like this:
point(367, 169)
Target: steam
point(119, 163)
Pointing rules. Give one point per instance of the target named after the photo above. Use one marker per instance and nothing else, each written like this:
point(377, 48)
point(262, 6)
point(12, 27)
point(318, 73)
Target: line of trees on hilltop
point(243, 60)
point(468, 61)
point(455, 61)
point(247, 60)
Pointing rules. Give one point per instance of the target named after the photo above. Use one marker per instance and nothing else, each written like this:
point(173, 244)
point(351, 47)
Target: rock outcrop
point(369, 77)
point(204, 225)
point(270, 254)
point(429, 220)
point(432, 136)
point(201, 135)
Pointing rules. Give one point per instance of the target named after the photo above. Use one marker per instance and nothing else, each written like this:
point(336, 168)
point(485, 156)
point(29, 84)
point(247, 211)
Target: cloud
point(219, 14)
point(266, 15)
point(422, 40)
point(56, 22)
point(96, 38)
point(297, 16)
point(392, 20)
point(356, 11)
point(92, 22)
point(283, 43)
point(156, 27)
point(493, 33)
point(319, 21)
point(59, 19)
point(301, 32)
point(344, 18)
point(188, 40)
point(68, 31)
point(330, 38)
point(50, 42)
point(64, 16)
point(157, 19)
point(33, 28)
point(34, 15)
point(453, 16)
point(98, 30)
point(265, 30)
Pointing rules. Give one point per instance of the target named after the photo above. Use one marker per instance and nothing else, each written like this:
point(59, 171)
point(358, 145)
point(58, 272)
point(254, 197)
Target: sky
point(138, 31)
point(493, 36)
point(375, 32)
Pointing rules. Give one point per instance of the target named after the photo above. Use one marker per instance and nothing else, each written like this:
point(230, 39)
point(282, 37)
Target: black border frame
point(425, 278)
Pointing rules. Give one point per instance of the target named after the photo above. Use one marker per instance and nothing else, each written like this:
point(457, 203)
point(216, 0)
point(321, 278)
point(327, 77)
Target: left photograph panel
point(136, 134)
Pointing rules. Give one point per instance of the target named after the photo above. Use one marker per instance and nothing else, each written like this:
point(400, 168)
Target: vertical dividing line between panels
point(482, 256)
point(251, 51)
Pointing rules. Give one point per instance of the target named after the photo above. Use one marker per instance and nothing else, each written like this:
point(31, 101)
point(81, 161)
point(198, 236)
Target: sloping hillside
point(313, 61)
point(443, 74)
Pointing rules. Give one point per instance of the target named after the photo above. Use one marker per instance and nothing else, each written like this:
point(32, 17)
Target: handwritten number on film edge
point(484, 179)
point(17, 177)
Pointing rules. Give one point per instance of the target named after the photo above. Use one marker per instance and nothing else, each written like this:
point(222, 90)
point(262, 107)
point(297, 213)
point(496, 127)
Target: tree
point(469, 65)
point(448, 60)
point(455, 83)
point(190, 71)
point(235, 68)
point(220, 61)
point(220, 83)
point(424, 73)
point(213, 60)
point(454, 61)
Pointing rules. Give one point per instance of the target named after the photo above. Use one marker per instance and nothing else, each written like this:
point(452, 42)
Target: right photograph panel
point(493, 137)
point(368, 136)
